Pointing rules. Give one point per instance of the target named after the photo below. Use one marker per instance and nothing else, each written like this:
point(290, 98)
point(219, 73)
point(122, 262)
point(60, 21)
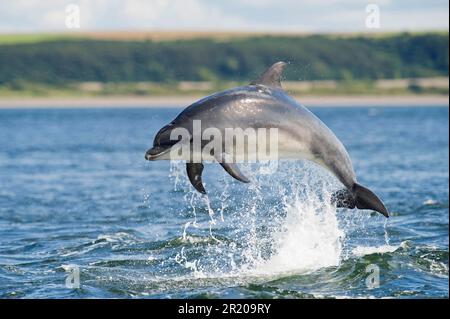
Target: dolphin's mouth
point(156, 151)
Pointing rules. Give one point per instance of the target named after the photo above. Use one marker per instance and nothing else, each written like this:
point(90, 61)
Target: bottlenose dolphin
point(264, 104)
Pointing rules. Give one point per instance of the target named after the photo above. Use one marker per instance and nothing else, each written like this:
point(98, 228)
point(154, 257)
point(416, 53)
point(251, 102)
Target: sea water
point(77, 193)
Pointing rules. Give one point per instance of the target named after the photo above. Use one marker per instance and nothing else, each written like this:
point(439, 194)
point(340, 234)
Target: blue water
point(75, 191)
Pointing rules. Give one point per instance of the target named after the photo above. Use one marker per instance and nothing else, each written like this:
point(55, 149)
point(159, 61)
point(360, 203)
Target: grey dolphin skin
point(264, 104)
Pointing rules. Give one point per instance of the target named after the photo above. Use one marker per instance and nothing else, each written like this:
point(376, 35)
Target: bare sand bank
point(182, 101)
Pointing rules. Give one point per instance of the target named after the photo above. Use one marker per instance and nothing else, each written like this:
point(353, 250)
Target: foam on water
point(368, 250)
point(430, 202)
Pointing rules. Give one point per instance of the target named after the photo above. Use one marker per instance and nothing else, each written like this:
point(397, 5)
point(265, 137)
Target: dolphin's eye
point(163, 137)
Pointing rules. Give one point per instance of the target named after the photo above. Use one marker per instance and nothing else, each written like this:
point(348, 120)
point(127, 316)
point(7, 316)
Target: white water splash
point(309, 239)
point(176, 173)
point(300, 235)
point(386, 234)
point(182, 260)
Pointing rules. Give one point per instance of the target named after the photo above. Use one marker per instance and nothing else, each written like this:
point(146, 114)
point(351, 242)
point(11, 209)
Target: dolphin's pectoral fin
point(272, 76)
point(234, 171)
point(360, 197)
point(194, 171)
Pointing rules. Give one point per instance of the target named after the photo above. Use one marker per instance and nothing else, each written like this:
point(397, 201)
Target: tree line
point(314, 57)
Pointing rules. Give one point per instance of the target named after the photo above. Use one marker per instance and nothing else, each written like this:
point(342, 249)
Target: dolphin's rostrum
point(264, 104)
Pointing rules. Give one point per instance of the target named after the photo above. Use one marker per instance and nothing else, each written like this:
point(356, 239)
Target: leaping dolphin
point(264, 104)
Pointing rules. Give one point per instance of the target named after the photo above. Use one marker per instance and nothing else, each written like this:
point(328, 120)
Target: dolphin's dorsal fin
point(272, 76)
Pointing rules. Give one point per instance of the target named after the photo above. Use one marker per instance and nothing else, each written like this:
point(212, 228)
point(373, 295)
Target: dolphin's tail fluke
point(359, 197)
point(366, 199)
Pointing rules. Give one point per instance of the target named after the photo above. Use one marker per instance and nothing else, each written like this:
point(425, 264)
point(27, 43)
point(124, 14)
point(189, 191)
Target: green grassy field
point(12, 39)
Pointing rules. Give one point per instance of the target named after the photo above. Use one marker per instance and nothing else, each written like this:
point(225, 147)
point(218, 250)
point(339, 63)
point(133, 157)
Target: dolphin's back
point(258, 106)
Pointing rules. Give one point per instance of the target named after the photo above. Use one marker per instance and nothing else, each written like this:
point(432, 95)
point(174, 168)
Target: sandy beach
point(180, 101)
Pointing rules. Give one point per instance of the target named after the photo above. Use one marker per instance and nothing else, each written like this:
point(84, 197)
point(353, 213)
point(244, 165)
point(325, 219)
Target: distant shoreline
point(182, 101)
